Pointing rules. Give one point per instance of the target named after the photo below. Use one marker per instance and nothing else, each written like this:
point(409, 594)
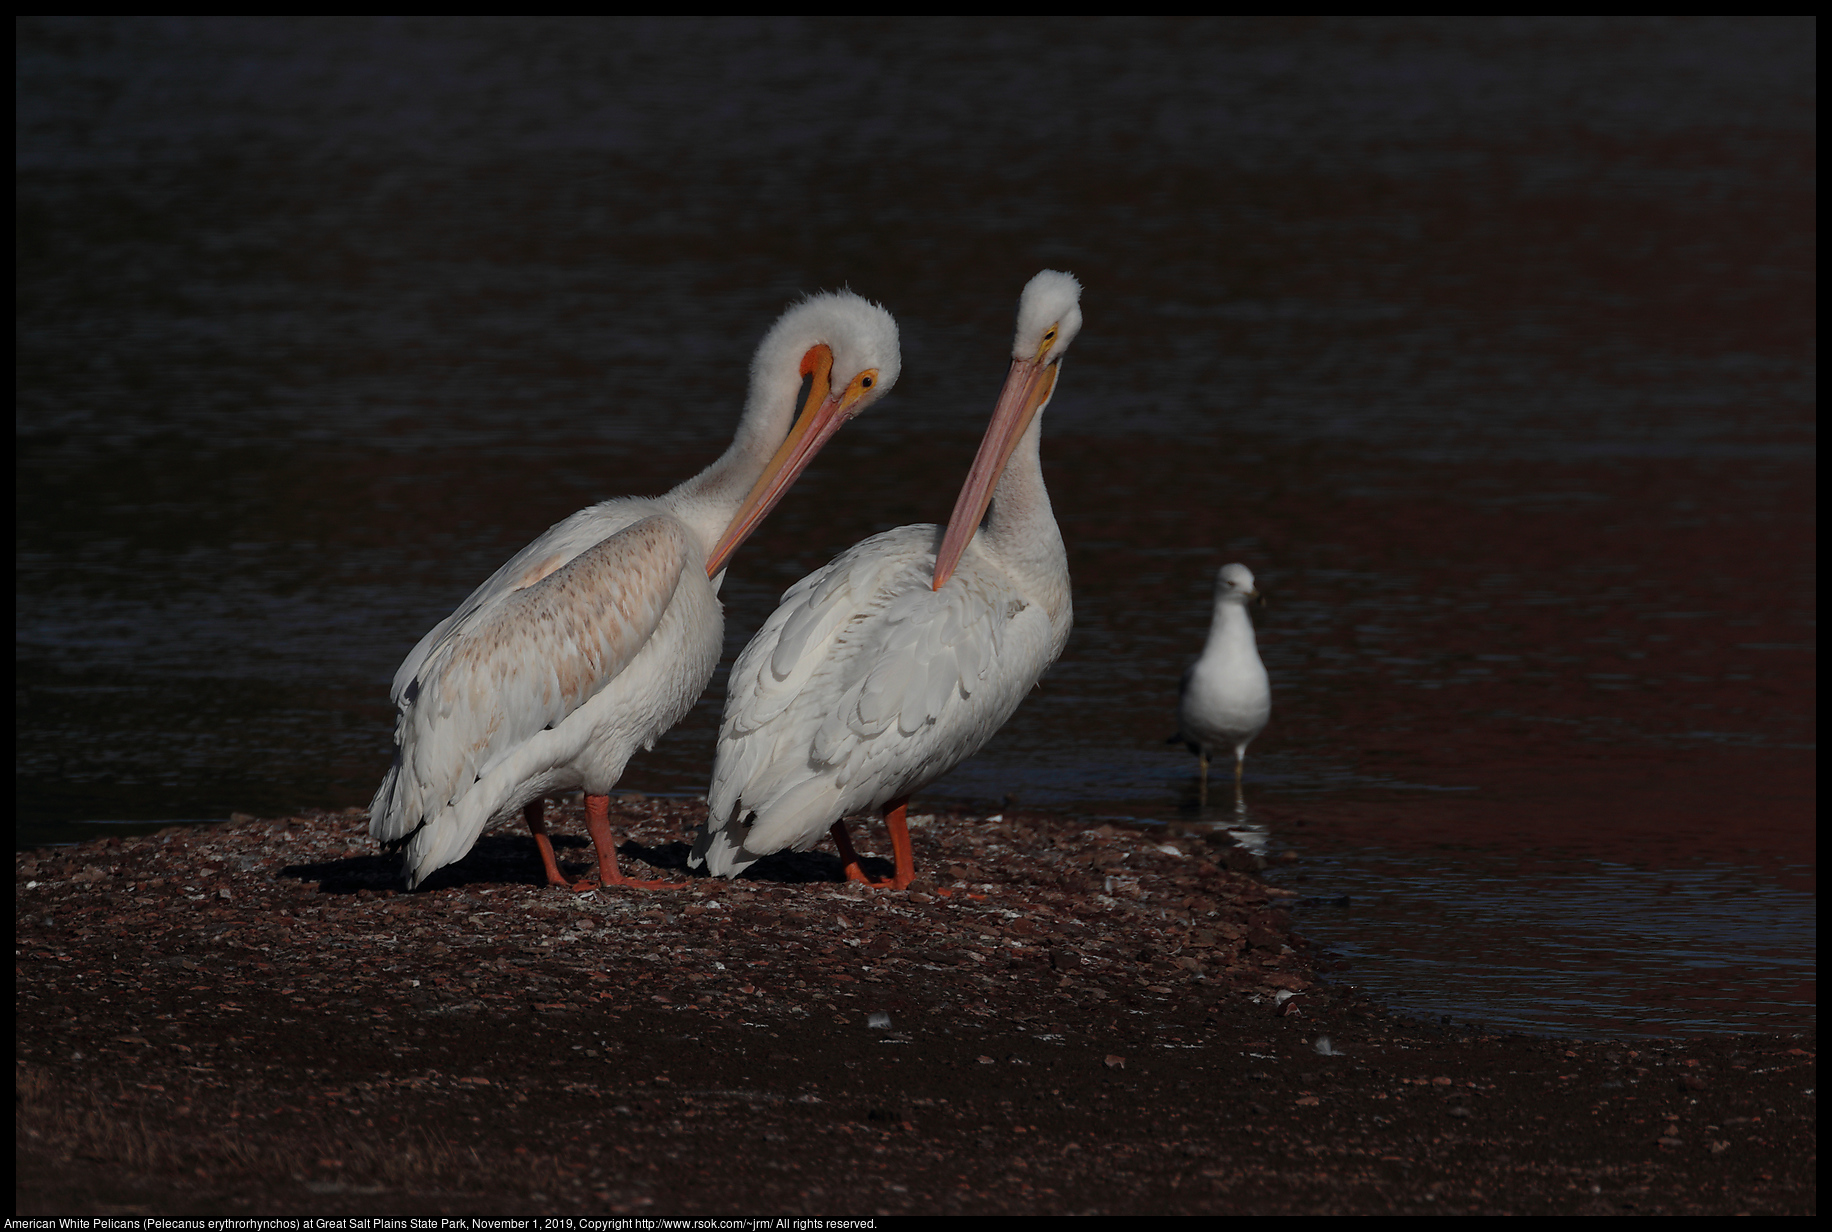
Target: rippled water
point(1487, 345)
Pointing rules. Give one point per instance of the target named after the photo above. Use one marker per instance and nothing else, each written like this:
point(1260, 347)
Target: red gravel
point(250, 1020)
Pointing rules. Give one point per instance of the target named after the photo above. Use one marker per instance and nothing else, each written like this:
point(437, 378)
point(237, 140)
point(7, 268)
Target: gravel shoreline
point(251, 1019)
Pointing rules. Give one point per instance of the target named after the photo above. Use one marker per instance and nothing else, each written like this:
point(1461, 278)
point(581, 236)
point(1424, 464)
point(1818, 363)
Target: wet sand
point(250, 1020)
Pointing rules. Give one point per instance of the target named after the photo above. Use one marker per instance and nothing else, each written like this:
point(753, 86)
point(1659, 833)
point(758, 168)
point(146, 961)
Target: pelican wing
point(522, 662)
point(864, 684)
point(551, 550)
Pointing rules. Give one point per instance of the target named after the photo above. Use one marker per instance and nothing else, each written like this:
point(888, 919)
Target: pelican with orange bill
point(601, 634)
point(903, 656)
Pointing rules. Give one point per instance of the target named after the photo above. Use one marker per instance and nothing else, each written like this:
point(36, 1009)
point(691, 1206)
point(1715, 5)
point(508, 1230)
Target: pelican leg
point(902, 854)
point(534, 814)
point(1202, 780)
point(598, 822)
point(849, 858)
point(898, 825)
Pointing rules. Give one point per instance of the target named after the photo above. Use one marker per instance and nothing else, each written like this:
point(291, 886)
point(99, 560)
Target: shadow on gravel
point(511, 859)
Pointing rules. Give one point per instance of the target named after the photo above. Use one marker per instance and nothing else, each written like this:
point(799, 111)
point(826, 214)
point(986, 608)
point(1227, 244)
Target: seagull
point(1225, 698)
point(600, 635)
point(899, 659)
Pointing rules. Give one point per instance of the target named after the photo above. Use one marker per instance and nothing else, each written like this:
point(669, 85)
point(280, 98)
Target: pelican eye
point(859, 385)
point(1048, 341)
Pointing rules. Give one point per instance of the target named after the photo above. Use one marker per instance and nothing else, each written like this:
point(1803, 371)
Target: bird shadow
point(782, 868)
point(497, 859)
point(500, 859)
point(348, 875)
point(808, 867)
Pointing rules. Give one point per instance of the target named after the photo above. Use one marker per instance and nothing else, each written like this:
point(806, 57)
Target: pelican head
point(846, 348)
point(1049, 317)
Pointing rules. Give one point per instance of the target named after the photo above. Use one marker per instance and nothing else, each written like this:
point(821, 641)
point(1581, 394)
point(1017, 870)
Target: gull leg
point(598, 821)
point(1202, 780)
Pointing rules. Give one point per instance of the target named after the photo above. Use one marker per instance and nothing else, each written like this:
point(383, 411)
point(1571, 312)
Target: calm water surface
point(1488, 346)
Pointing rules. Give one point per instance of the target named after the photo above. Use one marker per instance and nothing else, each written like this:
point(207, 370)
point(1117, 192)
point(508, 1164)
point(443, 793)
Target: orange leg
point(598, 821)
point(534, 814)
point(900, 849)
point(848, 857)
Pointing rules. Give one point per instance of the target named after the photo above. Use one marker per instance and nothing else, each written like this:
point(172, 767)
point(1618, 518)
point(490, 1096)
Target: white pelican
point(1225, 699)
point(882, 671)
point(597, 637)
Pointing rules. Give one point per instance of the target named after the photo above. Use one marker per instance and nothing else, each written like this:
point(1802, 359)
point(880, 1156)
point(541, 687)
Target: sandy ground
point(252, 1020)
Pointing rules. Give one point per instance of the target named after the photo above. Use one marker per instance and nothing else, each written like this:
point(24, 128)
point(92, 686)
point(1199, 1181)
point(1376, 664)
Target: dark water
point(1489, 346)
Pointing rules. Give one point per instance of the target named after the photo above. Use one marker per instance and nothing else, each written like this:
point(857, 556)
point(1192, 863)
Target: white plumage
point(599, 636)
point(899, 659)
point(1225, 698)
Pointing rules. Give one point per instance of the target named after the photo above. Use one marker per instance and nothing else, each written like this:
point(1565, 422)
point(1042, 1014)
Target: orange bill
point(821, 416)
point(1027, 387)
